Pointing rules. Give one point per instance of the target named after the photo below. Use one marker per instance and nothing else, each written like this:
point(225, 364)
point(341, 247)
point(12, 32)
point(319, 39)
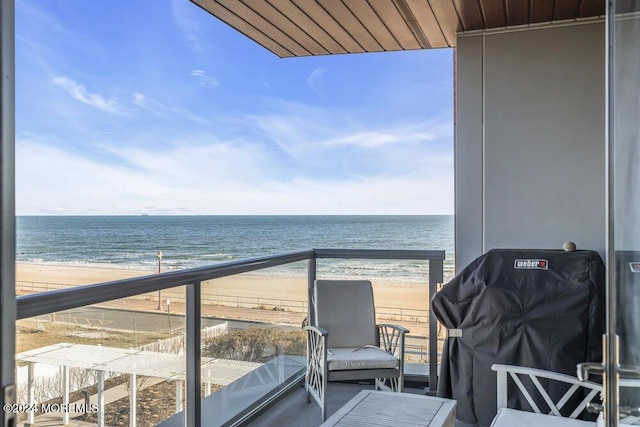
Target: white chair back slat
point(565, 398)
point(583, 404)
point(525, 392)
point(545, 395)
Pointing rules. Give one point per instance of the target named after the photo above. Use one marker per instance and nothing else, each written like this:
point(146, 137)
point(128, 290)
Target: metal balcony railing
point(65, 299)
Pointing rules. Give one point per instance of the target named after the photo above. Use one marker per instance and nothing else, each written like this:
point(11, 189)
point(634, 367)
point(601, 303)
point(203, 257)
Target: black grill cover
point(536, 308)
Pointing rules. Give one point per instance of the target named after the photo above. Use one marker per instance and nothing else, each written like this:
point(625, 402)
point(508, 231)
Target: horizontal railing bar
point(380, 254)
point(80, 296)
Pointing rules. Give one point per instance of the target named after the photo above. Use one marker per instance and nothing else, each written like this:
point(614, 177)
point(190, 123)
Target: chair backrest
point(571, 402)
point(345, 309)
point(584, 391)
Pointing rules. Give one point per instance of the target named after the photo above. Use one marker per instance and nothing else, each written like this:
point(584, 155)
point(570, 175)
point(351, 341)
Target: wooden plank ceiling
point(323, 27)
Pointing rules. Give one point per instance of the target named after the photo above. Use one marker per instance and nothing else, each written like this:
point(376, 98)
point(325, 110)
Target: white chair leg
point(316, 377)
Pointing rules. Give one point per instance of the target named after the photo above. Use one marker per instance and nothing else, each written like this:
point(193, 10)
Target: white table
point(383, 408)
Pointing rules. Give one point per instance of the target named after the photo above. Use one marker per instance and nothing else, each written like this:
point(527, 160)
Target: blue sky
point(156, 107)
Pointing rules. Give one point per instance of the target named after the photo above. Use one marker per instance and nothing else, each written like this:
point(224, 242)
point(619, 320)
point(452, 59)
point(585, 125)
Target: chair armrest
point(315, 379)
point(392, 339)
point(316, 330)
point(400, 329)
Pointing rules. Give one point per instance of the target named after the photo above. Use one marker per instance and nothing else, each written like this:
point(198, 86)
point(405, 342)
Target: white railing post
point(207, 384)
point(133, 385)
point(31, 392)
point(65, 394)
point(100, 398)
point(179, 398)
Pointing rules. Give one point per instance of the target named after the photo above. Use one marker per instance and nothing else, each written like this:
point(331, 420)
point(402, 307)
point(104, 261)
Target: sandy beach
point(40, 277)
point(246, 296)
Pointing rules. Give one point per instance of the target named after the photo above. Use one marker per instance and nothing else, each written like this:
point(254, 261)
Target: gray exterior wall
point(530, 140)
point(626, 139)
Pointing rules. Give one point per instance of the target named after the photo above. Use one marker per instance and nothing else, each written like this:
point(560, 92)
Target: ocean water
point(194, 241)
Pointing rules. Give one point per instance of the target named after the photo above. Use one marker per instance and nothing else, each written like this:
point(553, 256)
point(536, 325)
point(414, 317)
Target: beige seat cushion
point(349, 358)
point(507, 417)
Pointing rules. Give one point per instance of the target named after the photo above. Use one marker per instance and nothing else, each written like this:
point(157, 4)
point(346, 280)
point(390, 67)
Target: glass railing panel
point(252, 342)
point(275, 295)
point(68, 361)
point(250, 327)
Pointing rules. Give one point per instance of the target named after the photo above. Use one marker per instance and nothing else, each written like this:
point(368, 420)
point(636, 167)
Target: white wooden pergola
point(133, 362)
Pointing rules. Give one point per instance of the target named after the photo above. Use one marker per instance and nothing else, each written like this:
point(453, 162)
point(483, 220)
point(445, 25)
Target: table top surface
point(382, 408)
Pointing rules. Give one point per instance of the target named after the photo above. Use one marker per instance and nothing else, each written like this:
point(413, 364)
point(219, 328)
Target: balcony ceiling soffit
point(291, 28)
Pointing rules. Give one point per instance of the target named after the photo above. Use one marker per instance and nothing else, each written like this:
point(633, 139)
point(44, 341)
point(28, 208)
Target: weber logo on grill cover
point(635, 266)
point(531, 264)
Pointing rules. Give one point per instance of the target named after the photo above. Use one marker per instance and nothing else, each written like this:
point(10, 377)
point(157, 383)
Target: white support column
point(100, 398)
point(31, 392)
point(178, 396)
point(65, 394)
point(207, 384)
point(132, 400)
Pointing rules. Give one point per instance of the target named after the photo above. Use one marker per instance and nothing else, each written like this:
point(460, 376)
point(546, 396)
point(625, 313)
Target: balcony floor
point(294, 411)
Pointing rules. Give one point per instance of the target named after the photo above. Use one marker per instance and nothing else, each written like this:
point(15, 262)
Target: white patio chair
point(554, 417)
point(575, 389)
point(344, 343)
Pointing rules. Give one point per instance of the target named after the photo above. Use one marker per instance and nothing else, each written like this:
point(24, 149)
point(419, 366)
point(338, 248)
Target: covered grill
point(536, 308)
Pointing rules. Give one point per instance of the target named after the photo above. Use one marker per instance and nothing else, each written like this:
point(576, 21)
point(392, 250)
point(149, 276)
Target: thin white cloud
point(314, 79)
point(311, 136)
point(141, 101)
point(80, 93)
point(39, 31)
point(205, 80)
point(378, 139)
point(158, 108)
point(185, 16)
